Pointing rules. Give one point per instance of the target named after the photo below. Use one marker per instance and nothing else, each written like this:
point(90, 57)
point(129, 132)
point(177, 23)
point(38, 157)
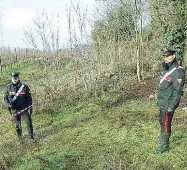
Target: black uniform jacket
point(171, 89)
point(22, 101)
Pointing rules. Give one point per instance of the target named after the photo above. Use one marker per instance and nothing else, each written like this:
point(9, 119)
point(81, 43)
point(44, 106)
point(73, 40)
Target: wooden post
point(19, 55)
point(16, 56)
point(0, 64)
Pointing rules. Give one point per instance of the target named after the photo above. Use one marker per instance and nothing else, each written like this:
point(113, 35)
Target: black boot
point(31, 137)
point(159, 141)
point(165, 143)
point(19, 133)
point(29, 128)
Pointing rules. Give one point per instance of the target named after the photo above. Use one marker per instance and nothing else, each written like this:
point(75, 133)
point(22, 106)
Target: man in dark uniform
point(169, 94)
point(17, 97)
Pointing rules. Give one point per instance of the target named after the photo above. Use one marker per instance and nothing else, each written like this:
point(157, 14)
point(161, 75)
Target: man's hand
point(169, 110)
point(11, 106)
point(30, 111)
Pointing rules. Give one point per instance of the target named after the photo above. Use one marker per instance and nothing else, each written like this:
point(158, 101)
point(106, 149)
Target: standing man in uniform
point(17, 97)
point(169, 94)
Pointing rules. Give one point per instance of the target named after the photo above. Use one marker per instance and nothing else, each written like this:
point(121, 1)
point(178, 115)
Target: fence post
point(16, 56)
point(1, 64)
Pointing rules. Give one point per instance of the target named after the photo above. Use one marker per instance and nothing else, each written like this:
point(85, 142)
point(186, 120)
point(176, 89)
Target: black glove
point(9, 109)
point(11, 106)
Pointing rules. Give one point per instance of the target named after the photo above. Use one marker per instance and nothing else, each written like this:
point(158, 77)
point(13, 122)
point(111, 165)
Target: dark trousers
point(25, 115)
point(165, 120)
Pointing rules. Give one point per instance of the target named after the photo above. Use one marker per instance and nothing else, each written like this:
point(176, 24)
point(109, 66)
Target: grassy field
point(90, 136)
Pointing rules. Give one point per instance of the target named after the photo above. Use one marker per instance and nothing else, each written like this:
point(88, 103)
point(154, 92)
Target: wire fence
point(12, 58)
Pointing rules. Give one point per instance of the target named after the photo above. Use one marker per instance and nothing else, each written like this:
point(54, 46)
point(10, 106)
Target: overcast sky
point(18, 14)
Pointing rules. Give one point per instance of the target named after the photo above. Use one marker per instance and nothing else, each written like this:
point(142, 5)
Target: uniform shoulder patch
point(179, 81)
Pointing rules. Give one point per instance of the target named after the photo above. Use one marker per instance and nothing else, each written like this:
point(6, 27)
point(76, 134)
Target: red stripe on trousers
point(166, 120)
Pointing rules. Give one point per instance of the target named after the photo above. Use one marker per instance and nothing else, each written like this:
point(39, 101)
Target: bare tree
point(44, 37)
point(78, 23)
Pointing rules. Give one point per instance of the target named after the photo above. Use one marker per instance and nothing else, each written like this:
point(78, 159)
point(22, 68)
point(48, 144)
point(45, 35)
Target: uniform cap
point(14, 73)
point(169, 52)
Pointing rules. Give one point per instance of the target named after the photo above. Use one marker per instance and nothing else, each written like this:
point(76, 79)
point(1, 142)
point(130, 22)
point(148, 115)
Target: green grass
point(5, 75)
point(92, 133)
point(87, 137)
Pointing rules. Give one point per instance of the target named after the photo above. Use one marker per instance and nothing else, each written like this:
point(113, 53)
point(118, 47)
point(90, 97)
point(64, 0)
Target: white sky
point(18, 14)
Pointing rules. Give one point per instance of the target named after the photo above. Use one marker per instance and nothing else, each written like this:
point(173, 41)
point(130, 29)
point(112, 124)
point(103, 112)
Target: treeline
point(125, 45)
point(132, 34)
